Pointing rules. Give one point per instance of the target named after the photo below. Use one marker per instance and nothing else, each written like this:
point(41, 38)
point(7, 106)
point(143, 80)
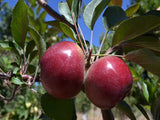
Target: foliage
point(134, 38)
point(5, 20)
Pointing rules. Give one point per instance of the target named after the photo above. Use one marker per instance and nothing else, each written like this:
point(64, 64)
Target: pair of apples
point(106, 83)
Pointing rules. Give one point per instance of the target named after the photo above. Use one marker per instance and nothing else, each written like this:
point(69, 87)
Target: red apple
point(107, 82)
point(62, 70)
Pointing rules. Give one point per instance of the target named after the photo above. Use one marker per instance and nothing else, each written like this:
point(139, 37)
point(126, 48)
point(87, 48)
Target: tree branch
point(12, 96)
point(54, 14)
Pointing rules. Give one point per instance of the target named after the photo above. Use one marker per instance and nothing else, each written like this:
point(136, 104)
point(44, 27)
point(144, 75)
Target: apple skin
point(62, 70)
point(107, 82)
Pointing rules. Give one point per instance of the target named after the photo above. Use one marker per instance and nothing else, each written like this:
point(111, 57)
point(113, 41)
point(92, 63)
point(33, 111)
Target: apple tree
point(125, 66)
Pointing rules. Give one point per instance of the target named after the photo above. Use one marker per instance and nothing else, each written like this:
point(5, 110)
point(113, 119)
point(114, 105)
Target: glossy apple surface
point(107, 82)
point(62, 70)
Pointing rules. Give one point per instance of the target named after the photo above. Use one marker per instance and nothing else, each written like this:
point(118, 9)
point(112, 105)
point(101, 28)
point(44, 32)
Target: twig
point(35, 91)
point(35, 76)
point(6, 82)
point(24, 67)
point(4, 75)
point(54, 14)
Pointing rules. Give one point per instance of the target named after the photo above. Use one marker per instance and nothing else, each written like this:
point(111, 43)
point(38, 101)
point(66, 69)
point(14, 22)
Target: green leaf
point(63, 27)
point(33, 3)
point(19, 23)
point(65, 11)
point(145, 91)
point(151, 90)
point(30, 46)
point(132, 9)
point(3, 66)
point(33, 55)
point(153, 12)
point(125, 108)
point(12, 46)
point(30, 12)
point(57, 109)
point(5, 45)
point(15, 49)
point(17, 81)
point(134, 27)
point(38, 9)
point(148, 59)
point(142, 111)
point(70, 6)
point(76, 4)
point(93, 11)
point(69, 2)
point(112, 16)
point(40, 43)
point(31, 69)
point(148, 42)
point(42, 15)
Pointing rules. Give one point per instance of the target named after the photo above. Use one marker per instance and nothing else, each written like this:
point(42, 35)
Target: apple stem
point(101, 44)
point(91, 39)
point(102, 55)
point(84, 41)
point(76, 30)
point(107, 115)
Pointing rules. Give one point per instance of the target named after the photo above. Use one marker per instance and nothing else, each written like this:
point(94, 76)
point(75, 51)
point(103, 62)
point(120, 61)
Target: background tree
point(146, 5)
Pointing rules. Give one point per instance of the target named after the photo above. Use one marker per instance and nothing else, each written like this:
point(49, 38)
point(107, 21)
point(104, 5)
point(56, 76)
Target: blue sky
point(98, 28)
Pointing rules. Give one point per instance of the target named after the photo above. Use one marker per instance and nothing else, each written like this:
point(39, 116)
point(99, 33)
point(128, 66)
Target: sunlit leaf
point(132, 9)
point(19, 23)
point(116, 2)
point(57, 109)
point(65, 11)
point(134, 27)
point(145, 91)
point(17, 81)
point(112, 16)
point(93, 11)
point(148, 59)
